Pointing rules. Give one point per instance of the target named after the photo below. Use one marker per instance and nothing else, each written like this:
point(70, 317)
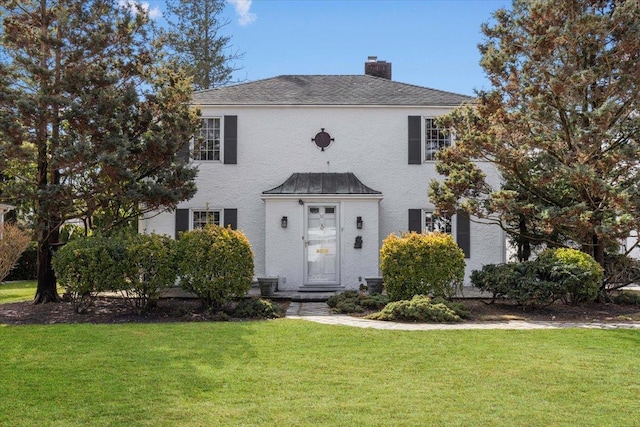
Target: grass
point(17, 291)
point(23, 290)
point(292, 372)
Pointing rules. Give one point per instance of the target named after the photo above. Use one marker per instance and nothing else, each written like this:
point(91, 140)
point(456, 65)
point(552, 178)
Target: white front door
point(322, 264)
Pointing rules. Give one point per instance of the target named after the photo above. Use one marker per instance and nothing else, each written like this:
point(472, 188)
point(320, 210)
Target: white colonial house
point(317, 170)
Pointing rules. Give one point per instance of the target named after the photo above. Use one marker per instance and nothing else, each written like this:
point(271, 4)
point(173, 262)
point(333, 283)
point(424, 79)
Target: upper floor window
point(208, 146)
point(202, 218)
point(433, 222)
point(435, 139)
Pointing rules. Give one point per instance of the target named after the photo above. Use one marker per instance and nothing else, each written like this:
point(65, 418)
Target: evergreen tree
point(92, 117)
point(195, 37)
point(561, 123)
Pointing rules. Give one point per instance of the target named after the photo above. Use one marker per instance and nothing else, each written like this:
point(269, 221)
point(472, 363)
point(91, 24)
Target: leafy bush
point(150, 269)
point(13, 242)
point(420, 308)
point(250, 308)
point(520, 282)
point(620, 270)
point(356, 302)
point(458, 307)
point(89, 265)
point(576, 273)
point(428, 264)
point(216, 264)
point(558, 274)
point(627, 298)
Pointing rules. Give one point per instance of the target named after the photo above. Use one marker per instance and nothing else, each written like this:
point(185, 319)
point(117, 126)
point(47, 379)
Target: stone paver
point(319, 312)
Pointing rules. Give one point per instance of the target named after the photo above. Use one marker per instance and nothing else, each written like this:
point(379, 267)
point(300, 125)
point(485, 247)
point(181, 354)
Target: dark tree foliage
point(194, 35)
point(561, 124)
point(91, 118)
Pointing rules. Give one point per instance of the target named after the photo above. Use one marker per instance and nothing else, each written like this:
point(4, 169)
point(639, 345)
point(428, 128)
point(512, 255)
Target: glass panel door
point(322, 244)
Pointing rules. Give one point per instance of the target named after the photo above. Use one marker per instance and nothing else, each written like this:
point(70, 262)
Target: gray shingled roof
point(327, 90)
point(322, 183)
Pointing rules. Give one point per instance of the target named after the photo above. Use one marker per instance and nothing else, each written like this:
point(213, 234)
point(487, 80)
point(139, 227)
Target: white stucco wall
point(285, 247)
point(274, 142)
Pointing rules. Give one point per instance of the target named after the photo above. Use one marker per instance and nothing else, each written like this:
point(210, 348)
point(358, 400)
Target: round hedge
point(577, 272)
point(216, 264)
point(421, 264)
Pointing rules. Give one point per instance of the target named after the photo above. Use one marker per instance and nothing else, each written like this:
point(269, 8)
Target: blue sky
point(430, 43)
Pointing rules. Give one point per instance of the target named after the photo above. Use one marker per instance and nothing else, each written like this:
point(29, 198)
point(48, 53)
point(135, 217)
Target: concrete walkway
point(319, 312)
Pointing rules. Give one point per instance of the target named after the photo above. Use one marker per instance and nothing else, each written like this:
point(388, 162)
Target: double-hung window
point(208, 145)
point(459, 226)
point(435, 139)
point(433, 223)
point(191, 219)
point(202, 218)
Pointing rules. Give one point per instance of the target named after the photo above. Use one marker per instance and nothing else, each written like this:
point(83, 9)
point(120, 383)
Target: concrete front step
point(309, 296)
point(320, 288)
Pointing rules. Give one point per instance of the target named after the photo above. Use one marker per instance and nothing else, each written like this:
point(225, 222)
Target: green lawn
point(23, 290)
point(297, 373)
point(17, 291)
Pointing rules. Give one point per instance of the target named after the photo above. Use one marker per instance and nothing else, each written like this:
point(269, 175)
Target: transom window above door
point(208, 145)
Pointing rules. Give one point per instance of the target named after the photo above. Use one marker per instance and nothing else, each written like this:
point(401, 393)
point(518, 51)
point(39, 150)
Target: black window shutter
point(415, 140)
point(415, 220)
point(230, 140)
point(182, 221)
point(231, 218)
point(463, 232)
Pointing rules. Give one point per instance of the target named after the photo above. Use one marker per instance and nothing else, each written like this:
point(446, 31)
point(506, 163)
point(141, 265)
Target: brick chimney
point(376, 68)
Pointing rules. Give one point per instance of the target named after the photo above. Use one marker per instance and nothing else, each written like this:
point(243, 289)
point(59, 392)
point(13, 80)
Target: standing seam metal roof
point(322, 183)
point(327, 90)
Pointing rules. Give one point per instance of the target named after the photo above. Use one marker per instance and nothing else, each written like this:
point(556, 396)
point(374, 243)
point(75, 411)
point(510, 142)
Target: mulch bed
point(558, 312)
point(117, 310)
point(108, 310)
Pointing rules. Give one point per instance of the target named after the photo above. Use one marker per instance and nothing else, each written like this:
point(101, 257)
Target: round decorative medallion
point(322, 139)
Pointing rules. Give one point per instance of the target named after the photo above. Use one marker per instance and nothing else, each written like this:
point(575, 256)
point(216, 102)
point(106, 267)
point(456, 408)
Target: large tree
point(195, 35)
point(92, 117)
point(561, 123)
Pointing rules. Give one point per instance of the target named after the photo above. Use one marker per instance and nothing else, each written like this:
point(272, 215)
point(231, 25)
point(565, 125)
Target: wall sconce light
point(359, 223)
point(284, 222)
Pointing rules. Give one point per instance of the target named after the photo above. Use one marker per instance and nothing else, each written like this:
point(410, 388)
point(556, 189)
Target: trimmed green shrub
point(251, 308)
point(150, 269)
point(356, 302)
point(520, 282)
point(216, 264)
point(89, 265)
point(503, 280)
point(577, 274)
point(562, 274)
point(458, 307)
point(415, 264)
point(420, 308)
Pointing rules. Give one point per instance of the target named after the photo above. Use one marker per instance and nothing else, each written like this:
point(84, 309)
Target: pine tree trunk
point(46, 290)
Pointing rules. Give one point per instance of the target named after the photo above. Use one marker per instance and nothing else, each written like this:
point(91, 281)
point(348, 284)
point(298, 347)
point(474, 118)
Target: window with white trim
point(208, 145)
point(433, 222)
point(435, 139)
point(202, 218)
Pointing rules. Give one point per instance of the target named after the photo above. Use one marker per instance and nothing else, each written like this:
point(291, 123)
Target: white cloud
point(245, 17)
point(131, 5)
